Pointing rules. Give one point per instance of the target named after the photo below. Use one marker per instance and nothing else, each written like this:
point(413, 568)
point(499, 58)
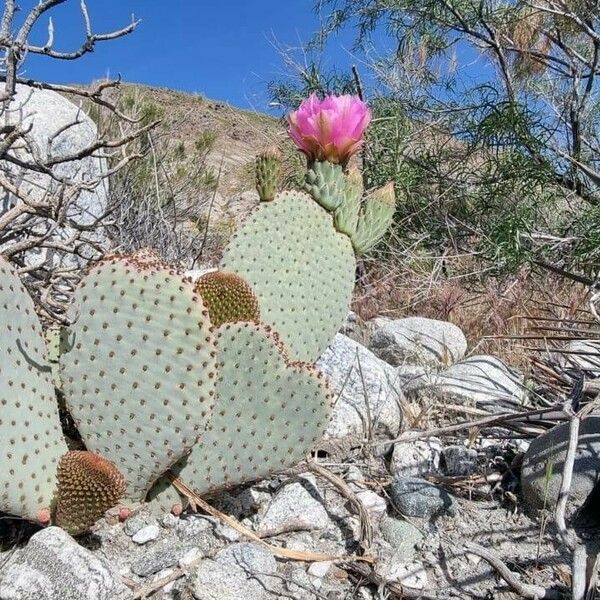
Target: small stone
point(251, 558)
point(459, 461)
point(293, 509)
point(159, 559)
point(319, 569)
point(416, 458)
point(354, 474)
point(137, 522)
point(374, 504)
point(190, 557)
point(146, 534)
point(402, 536)
point(416, 497)
point(169, 521)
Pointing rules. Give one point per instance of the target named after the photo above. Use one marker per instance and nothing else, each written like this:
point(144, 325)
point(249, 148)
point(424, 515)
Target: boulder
point(53, 566)
point(418, 341)
point(541, 473)
point(364, 388)
point(49, 115)
point(481, 381)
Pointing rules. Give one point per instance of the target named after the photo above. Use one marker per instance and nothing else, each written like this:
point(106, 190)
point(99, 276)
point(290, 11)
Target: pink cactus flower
point(330, 129)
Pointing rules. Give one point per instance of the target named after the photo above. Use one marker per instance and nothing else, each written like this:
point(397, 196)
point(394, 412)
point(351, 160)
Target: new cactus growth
point(31, 440)
point(269, 413)
point(87, 486)
point(375, 218)
point(268, 173)
point(346, 215)
point(139, 379)
point(228, 298)
point(326, 183)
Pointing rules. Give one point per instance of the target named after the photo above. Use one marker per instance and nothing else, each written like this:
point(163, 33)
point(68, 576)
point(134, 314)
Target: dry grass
point(458, 290)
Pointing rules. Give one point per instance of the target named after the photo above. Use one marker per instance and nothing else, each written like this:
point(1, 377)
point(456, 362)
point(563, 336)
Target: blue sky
point(219, 48)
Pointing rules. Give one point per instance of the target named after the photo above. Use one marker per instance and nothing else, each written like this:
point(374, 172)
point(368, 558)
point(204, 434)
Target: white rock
point(319, 569)
point(215, 581)
point(48, 113)
point(190, 557)
point(364, 389)
point(53, 566)
point(249, 557)
point(416, 458)
point(374, 504)
point(482, 381)
point(146, 534)
point(418, 341)
point(293, 508)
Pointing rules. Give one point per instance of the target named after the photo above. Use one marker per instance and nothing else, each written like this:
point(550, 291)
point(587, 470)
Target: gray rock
point(412, 575)
point(249, 557)
point(212, 580)
point(482, 381)
point(416, 497)
point(48, 113)
point(402, 536)
point(359, 380)
point(159, 559)
point(460, 461)
point(549, 451)
point(374, 504)
point(137, 522)
point(146, 534)
point(418, 341)
point(197, 530)
point(294, 508)
point(416, 458)
point(53, 566)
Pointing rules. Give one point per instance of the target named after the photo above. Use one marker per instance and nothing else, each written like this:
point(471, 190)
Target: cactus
point(375, 218)
point(326, 183)
point(88, 485)
point(346, 215)
point(139, 378)
point(269, 413)
point(228, 298)
point(300, 268)
point(268, 174)
point(31, 440)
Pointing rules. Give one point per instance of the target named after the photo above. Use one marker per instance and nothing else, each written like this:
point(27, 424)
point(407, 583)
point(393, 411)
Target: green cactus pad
point(31, 440)
point(375, 218)
point(269, 413)
point(268, 174)
point(326, 183)
point(140, 377)
point(300, 268)
point(346, 215)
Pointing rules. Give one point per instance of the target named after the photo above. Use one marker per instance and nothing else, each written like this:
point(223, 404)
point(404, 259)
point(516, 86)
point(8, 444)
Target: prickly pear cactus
point(88, 485)
point(139, 379)
point(326, 183)
point(31, 440)
point(375, 218)
point(228, 298)
point(347, 213)
point(300, 268)
point(269, 414)
point(268, 174)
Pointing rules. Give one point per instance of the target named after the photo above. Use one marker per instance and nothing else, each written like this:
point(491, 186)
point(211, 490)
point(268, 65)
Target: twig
point(526, 590)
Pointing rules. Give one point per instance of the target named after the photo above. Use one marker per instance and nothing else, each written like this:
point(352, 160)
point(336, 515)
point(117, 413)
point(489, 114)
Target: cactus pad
point(300, 268)
point(31, 440)
point(375, 218)
point(88, 486)
point(268, 174)
point(346, 214)
point(228, 298)
point(139, 379)
point(269, 413)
